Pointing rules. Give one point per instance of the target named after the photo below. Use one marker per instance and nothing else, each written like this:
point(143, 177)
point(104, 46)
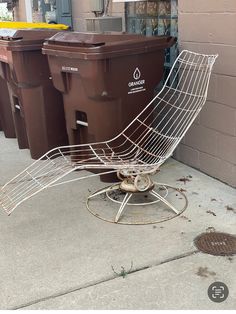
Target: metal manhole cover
point(216, 243)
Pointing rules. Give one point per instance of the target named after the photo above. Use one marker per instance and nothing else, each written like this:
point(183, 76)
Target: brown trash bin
point(105, 79)
point(37, 106)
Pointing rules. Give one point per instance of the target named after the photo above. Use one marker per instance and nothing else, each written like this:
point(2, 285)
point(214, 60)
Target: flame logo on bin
point(137, 74)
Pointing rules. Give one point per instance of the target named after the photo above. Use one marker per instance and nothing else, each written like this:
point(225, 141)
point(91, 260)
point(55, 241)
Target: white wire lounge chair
point(137, 152)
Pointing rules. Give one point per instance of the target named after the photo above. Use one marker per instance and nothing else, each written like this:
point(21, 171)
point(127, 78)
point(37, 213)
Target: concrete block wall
point(81, 10)
point(209, 26)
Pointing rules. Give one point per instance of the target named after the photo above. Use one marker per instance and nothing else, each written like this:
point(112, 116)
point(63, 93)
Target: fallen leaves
point(229, 208)
point(184, 180)
point(204, 272)
point(211, 212)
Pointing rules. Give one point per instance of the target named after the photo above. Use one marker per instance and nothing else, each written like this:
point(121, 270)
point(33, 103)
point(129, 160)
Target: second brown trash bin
point(37, 106)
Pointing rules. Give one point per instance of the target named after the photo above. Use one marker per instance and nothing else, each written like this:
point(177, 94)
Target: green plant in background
point(5, 15)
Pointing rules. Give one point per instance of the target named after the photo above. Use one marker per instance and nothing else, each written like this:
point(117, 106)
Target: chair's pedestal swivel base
point(140, 201)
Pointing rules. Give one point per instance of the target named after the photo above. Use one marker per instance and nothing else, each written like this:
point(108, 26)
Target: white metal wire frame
point(141, 147)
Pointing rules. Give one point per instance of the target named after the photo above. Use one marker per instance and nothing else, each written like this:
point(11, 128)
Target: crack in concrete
point(102, 280)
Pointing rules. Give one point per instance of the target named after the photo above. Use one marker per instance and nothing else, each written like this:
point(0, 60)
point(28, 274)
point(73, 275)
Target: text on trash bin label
point(138, 85)
point(69, 69)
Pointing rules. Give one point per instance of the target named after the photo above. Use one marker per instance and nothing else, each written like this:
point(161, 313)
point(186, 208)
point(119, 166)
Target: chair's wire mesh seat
point(137, 151)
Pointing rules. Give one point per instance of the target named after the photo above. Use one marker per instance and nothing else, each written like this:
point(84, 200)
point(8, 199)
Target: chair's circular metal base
point(140, 206)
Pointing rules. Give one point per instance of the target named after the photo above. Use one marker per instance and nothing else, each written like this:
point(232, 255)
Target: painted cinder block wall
point(209, 26)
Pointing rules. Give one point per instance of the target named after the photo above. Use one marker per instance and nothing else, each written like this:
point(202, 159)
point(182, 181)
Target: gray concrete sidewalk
point(56, 255)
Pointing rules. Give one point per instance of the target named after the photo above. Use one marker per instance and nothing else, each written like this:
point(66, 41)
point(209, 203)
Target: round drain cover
point(216, 243)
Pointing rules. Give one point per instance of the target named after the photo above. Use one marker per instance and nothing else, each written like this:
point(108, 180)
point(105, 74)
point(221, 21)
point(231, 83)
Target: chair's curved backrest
point(164, 122)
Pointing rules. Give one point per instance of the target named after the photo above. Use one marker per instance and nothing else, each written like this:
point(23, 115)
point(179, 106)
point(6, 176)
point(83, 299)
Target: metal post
point(28, 11)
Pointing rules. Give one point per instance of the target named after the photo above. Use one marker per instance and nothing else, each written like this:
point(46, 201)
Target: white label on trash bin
point(138, 85)
point(69, 69)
